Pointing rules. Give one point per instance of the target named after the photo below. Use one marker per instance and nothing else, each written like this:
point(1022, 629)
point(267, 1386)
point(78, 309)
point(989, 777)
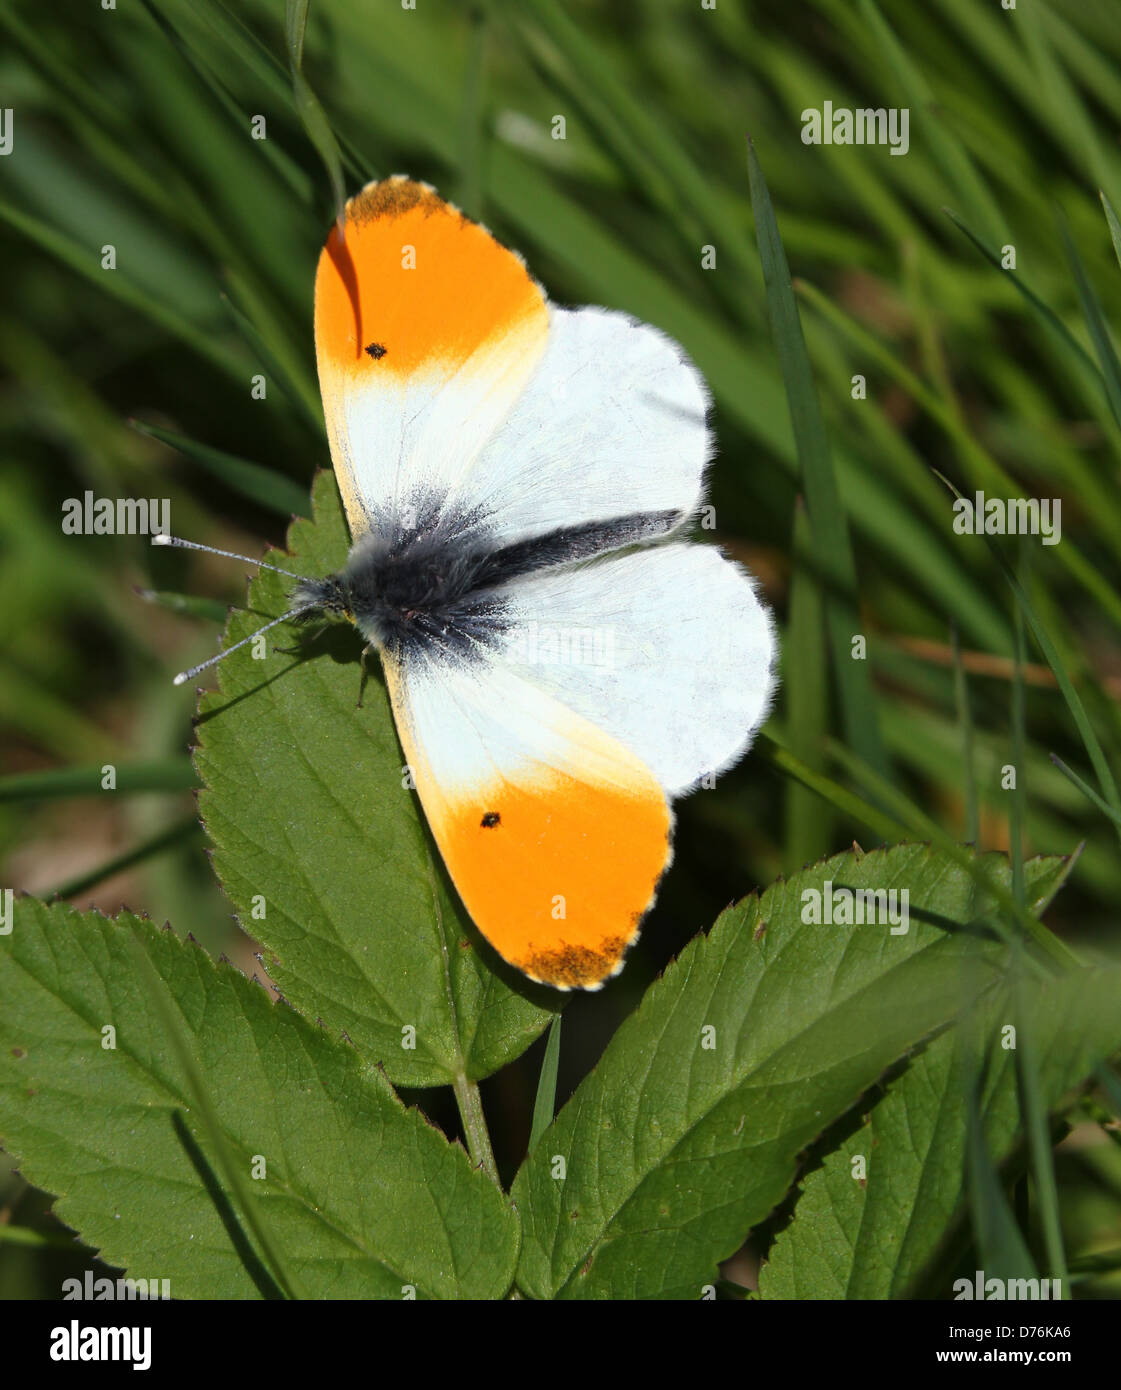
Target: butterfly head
point(326, 597)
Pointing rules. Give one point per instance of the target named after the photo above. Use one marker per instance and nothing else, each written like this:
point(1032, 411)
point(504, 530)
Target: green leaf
point(882, 1238)
point(362, 1195)
point(674, 1150)
point(323, 850)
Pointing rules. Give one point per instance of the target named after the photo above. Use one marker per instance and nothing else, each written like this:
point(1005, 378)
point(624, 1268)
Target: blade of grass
point(1113, 223)
point(1092, 312)
point(189, 605)
point(851, 806)
point(947, 151)
point(807, 816)
point(1070, 695)
point(252, 480)
point(1038, 1131)
point(232, 30)
point(159, 775)
point(1001, 1249)
point(311, 114)
point(1111, 1085)
point(916, 822)
point(828, 524)
point(645, 146)
point(1019, 759)
point(86, 262)
point(1060, 98)
point(146, 849)
point(1047, 316)
point(241, 268)
point(471, 120)
point(282, 163)
point(545, 1104)
point(965, 719)
point(1087, 1266)
point(985, 470)
point(1087, 791)
point(288, 374)
point(48, 719)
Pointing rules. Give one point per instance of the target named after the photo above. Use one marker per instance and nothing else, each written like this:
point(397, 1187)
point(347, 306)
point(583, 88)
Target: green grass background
point(133, 128)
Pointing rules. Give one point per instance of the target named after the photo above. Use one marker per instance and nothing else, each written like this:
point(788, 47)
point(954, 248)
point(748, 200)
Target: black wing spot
point(376, 351)
point(490, 820)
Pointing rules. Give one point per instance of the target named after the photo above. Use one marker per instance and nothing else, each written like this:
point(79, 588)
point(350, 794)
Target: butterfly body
point(423, 591)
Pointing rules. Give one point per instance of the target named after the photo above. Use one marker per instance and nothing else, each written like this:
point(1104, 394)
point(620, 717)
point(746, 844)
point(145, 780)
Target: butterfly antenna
point(229, 554)
point(184, 676)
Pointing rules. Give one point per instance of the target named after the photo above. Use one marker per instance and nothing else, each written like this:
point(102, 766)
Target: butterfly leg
point(298, 650)
point(366, 650)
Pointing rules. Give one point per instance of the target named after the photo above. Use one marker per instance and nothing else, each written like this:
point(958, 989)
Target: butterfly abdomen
point(439, 586)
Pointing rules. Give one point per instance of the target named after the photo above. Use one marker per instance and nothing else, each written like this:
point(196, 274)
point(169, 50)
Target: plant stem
point(470, 1104)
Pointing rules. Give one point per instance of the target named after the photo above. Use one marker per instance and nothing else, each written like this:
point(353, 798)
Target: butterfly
point(517, 478)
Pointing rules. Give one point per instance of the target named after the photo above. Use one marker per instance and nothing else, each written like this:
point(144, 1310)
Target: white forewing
point(611, 422)
point(400, 438)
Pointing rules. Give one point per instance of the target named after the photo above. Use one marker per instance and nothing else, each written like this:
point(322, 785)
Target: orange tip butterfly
point(561, 663)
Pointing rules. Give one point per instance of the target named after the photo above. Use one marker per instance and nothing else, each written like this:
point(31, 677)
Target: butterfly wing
point(546, 761)
point(452, 389)
point(667, 649)
point(554, 833)
point(426, 332)
point(612, 423)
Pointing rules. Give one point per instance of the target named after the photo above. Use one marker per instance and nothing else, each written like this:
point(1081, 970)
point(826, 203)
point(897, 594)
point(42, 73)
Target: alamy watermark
point(857, 907)
point(116, 516)
point(841, 125)
point(97, 1290)
point(77, 1343)
point(540, 644)
point(994, 1289)
point(1010, 516)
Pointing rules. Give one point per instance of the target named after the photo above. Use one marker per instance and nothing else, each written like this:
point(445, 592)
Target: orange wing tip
point(399, 193)
point(368, 304)
point(568, 967)
point(393, 197)
point(578, 967)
